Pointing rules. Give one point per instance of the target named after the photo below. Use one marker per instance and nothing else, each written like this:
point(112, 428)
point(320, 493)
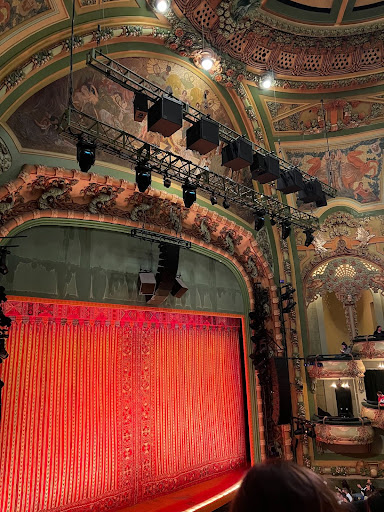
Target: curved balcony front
point(345, 435)
point(334, 367)
point(368, 347)
point(373, 412)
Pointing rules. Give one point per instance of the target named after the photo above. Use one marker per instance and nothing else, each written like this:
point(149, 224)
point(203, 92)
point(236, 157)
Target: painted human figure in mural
point(354, 171)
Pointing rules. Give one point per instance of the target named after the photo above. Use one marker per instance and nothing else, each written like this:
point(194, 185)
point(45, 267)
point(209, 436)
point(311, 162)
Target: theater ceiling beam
point(130, 80)
point(78, 125)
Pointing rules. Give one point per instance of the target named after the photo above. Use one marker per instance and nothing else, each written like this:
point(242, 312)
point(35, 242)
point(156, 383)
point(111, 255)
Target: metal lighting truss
point(158, 238)
point(77, 125)
point(130, 80)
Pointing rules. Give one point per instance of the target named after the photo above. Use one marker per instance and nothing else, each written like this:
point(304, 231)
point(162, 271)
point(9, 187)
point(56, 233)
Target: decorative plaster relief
point(5, 157)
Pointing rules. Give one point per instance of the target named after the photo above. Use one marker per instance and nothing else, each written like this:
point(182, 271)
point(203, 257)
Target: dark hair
point(278, 486)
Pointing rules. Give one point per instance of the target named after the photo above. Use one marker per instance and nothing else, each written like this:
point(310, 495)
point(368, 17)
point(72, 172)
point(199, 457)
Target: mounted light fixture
point(143, 175)
point(213, 199)
point(285, 229)
point(189, 194)
point(309, 238)
point(205, 58)
point(226, 204)
point(86, 155)
point(266, 80)
point(167, 181)
point(162, 6)
point(259, 219)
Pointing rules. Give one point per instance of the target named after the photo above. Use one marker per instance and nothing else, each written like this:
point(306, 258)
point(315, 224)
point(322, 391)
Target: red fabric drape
point(107, 406)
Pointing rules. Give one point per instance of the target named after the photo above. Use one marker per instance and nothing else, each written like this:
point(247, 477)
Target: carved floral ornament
point(60, 193)
point(347, 277)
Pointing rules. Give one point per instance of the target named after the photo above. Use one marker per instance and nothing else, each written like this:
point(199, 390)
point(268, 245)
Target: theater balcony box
point(345, 435)
point(373, 412)
point(368, 347)
point(334, 367)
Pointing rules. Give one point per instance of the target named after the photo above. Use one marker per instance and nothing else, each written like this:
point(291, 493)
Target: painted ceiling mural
point(16, 12)
point(336, 115)
point(354, 167)
point(35, 123)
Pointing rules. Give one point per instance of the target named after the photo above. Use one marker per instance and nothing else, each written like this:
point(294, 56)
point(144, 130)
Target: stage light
point(266, 80)
point(143, 176)
point(3, 297)
point(213, 199)
point(309, 238)
point(285, 229)
point(289, 307)
point(86, 154)
point(311, 433)
point(162, 6)
point(3, 352)
point(3, 261)
point(226, 204)
point(259, 219)
point(5, 321)
point(167, 181)
point(288, 294)
point(299, 431)
point(272, 219)
point(189, 194)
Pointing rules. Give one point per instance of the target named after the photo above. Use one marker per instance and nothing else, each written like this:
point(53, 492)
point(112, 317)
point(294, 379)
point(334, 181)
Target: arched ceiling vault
point(326, 50)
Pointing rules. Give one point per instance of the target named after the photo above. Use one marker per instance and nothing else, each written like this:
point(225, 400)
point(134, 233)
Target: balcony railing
point(368, 347)
point(374, 412)
point(354, 434)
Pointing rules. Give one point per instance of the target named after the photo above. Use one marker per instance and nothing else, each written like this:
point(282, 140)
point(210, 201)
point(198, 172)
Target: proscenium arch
point(256, 438)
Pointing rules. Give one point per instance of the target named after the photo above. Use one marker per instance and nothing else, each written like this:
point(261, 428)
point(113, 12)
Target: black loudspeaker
point(166, 273)
point(312, 192)
point(237, 154)
point(140, 106)
point(290, 181)
point(285, 404)
point(203, 136)
point(265, 168)
point(165, 116)
point(179, 288)
point(146, 283)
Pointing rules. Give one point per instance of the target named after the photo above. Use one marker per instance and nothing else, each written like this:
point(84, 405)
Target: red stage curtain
point(104, 406)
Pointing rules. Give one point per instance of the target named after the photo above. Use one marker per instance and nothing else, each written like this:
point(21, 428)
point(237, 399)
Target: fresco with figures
point(35, 123)
point(15, 12)
point(355, 170)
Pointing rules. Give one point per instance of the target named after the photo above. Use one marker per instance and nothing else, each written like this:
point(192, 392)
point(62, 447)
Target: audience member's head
point(279, 486)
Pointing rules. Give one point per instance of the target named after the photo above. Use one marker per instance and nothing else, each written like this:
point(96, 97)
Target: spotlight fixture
point(167, 181)
point(287, 295)
point(272, 220)
point(285, 229)
point(143, 175)
point(3, 261)
point(86, 154)
point(162, 6)
point(267, 80)
point(309, 238)
point(213, 199)
point(3, 352)
point(289, 306)
point(226, 204)
point(189, 194)
point(259, 219)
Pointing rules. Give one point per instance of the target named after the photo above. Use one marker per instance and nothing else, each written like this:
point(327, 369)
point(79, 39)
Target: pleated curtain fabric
point(104, 406)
